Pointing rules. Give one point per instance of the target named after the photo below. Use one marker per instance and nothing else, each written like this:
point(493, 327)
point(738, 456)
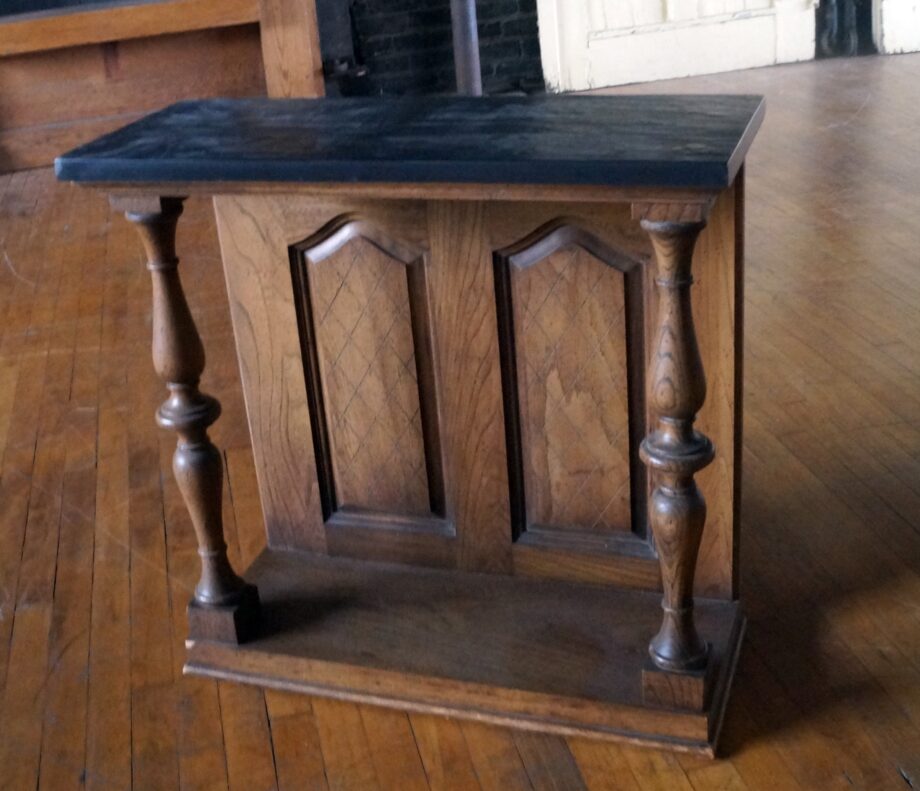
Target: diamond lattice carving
point(367, 361)
point(570, 331)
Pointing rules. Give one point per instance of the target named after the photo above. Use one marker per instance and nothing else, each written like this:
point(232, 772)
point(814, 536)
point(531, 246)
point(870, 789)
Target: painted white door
point(596, 43)
point(896, 25)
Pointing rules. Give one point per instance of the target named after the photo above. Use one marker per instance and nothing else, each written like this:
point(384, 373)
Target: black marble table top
point(641, 141)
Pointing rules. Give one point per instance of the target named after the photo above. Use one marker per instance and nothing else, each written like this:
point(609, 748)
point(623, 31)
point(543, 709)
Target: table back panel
point(462, 381)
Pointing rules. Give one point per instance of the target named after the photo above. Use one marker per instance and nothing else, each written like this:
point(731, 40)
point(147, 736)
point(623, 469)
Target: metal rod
point(466, 47)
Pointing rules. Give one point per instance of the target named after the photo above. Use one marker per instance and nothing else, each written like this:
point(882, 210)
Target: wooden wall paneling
point(69, 76)
point(290, 48)
point(54, 100)
point(81, 25)
point(255, 248)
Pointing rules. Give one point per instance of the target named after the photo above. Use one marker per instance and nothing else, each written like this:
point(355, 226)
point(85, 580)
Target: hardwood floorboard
point(603, 767)
point(247, 742)
point(495, 758)
point(549, 762)
point(298, 757)
point(108, 722)
point(445, 753)
point(97, 556)
point(345, 746)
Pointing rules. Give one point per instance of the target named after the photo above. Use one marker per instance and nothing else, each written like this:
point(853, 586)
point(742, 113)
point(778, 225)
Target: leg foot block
point(233, 623)
point(677, 690)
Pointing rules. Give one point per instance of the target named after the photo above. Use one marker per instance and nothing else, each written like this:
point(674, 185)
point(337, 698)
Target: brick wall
point(407, 46)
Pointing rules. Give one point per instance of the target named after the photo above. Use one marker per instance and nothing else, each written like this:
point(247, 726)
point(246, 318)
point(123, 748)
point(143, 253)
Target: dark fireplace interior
point(393, 47)
point(843, 28)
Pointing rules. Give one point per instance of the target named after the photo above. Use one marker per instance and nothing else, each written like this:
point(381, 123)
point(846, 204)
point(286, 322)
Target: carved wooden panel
point(566, 303)
point(458, 239)
point(365, 333)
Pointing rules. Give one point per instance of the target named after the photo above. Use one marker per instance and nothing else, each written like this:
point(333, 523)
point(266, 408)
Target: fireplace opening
point(843, 28)
point(378, 47)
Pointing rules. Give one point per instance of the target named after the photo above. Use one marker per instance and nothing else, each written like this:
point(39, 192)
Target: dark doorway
point(844, 28)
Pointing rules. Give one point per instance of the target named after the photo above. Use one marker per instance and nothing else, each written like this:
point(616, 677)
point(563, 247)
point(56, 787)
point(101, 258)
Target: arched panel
point(366, 338)
point(572, 371)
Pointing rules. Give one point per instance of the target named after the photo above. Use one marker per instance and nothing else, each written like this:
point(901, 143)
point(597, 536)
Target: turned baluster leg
point(673, 451)
point(224, 607)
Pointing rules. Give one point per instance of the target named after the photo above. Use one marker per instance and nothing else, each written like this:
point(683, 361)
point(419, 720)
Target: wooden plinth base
point(544, 656)
point(235, 623)
point(671, 690)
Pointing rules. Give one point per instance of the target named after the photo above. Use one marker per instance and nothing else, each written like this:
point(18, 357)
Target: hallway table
point(496, 427)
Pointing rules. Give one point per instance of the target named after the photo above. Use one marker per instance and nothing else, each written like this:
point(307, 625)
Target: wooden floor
point(97, 559)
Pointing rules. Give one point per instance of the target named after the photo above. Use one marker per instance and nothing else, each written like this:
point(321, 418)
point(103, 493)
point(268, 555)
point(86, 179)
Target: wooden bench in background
point(69, 75)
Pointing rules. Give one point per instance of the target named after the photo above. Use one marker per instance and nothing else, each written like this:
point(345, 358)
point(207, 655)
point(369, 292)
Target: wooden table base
point(540, 655)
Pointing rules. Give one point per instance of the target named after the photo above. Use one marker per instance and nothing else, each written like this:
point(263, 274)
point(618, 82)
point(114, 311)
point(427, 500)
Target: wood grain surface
point(569, 331)
point(59, 98)
point(289, 32)
point(443, 403)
